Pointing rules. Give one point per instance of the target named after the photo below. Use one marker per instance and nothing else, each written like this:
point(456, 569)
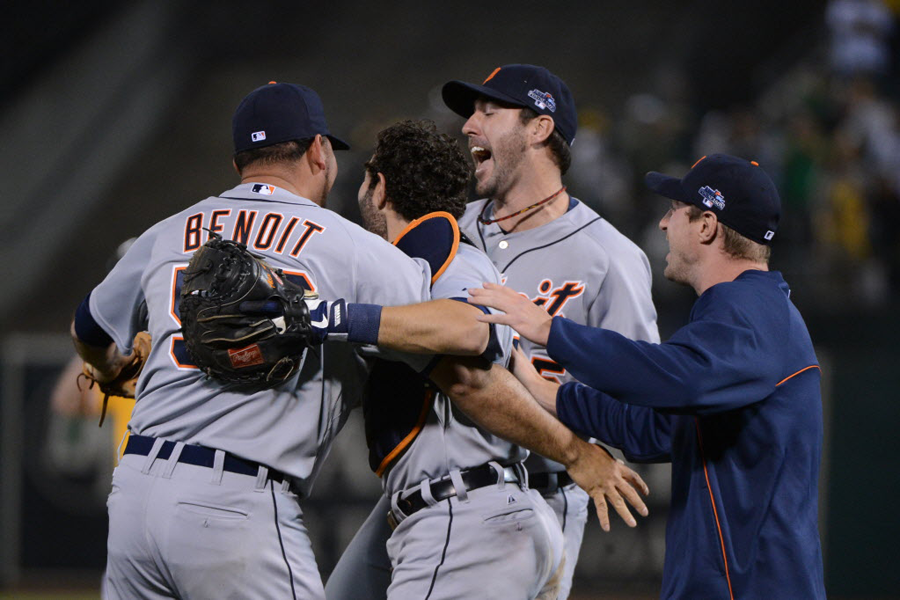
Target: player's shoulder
point(750, 288)
point(473, 209)
point(592, 229)
point(474, 260)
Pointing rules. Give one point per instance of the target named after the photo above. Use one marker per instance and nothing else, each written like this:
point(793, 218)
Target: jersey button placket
point(503, 245)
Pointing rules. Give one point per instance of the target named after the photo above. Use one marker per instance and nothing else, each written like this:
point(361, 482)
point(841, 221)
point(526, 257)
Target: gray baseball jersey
point(495, 541)
point(288, 428)
point(580, 267)
point(447, 439)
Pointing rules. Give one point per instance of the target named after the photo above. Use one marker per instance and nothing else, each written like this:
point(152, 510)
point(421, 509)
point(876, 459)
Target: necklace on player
point(484, 221)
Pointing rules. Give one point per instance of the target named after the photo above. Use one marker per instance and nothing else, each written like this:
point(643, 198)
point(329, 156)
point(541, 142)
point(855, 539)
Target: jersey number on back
point(178, 350)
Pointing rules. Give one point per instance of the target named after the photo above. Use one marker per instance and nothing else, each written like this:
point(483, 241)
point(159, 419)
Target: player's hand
point(529, 320)
point(543, 390)
point(609, 481)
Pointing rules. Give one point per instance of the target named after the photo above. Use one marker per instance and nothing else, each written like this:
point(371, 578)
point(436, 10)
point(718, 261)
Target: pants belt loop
point(501, 475)
point(261, 476)
point(173, 460)
point(286, 484)
point(458, 484)
point(522, 472)
point(218, 467)
point(151, 456)
point(425, 490)
point(119, 447)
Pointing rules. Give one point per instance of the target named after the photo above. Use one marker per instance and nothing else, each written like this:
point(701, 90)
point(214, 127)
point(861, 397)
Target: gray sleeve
point(624, 303)
point(118, 303)
point(470, 269)
point(384, 275)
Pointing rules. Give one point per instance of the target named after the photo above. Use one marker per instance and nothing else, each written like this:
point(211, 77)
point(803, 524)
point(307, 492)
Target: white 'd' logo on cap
point(258, 136)
point(769, 235)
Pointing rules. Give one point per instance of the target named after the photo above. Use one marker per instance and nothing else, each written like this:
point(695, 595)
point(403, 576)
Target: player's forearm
point(541, 389)
point(436, 327)
point(496, 401)
point(106, 361)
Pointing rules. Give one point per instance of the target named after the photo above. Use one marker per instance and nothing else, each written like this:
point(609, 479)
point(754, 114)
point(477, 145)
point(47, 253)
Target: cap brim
point(667, 186)
point(460, 97)
point(338, 143)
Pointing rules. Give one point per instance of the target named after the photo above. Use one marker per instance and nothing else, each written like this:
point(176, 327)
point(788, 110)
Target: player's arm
point(642, 434)
point(437, 327)
point(444, 326)
point(543, 390)
point(715, 363)
point(95, 346)
point(493, 398)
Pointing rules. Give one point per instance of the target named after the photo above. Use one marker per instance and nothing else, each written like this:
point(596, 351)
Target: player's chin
point(484, 185)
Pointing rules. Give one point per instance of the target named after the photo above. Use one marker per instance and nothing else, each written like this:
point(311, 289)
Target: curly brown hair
point(424, 171)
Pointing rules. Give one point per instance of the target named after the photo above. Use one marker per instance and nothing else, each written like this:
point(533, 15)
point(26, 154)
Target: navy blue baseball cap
point(527, 86)
point(738, 191)
point(280, 112)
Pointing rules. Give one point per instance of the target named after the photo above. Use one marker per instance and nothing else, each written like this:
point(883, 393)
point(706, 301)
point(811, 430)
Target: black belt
point(200, 456)
point(474, 478)
point(546, 483)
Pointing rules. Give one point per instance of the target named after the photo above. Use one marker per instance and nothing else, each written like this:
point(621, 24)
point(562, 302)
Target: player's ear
point(316, 154)
point(709, 227)
point(541, 127)
point(234, 164)
point(379, 194)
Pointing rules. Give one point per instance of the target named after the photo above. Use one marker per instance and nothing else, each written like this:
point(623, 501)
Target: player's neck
point(294, 180)
point(395, 225)
point(523, 197)
point(721, 269)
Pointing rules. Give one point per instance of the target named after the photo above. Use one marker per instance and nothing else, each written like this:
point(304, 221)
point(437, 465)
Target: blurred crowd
point(826, 128)
point(827, 131)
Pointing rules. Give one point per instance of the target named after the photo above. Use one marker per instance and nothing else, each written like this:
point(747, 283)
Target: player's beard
point(507, 154)
point(680, 265)
point(373, 220)
point(326, 188)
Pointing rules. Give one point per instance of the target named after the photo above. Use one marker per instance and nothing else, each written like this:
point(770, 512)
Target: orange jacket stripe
point(712, 500)
point(426, 406)
point(797, 373)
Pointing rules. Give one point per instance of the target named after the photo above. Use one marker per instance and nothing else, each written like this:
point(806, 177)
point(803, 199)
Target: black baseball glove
point(242, 320)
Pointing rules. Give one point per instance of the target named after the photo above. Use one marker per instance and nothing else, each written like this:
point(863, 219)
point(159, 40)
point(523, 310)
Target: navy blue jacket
point(733, 401)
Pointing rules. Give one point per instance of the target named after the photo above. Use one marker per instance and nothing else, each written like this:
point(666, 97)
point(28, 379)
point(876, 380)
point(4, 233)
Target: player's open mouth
point(481, 156)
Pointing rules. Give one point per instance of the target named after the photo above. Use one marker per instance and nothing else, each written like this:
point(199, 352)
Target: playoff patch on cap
point(738, 191)
point(527, 86)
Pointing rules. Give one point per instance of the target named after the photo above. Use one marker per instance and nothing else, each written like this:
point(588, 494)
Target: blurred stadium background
point(117, 114)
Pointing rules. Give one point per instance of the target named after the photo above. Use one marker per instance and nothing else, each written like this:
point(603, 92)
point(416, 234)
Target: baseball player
point(548, 246)
point(732, 399)
point(465, 523)
point(204, 502)
point(445, 548)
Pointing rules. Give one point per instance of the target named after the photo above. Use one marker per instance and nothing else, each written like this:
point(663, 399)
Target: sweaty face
point(681, 236)
point(498, 144)
point(373, 220)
